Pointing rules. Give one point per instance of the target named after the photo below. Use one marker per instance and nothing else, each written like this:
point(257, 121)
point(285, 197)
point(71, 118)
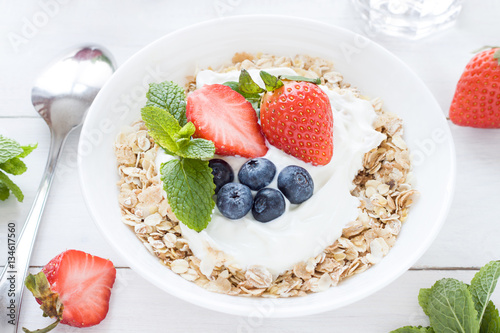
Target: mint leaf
point(4, 192)
point(170, 97)
point(14, 166)
point(27, 150)
point(299, 78)
point(247, 85)
point(483, 284)
point(186, 131)
point(451, 308)
point(423, 299)
point(272, 82)
point(197, 149)
point(162, 126)
point(9, 149)
point(491, 320)
point(190, 187)
point(413, 329)
point(11, 186)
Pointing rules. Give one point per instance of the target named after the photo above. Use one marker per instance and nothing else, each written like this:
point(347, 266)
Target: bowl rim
point(290, 311)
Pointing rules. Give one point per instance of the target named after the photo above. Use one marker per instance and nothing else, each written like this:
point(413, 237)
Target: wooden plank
point(137, 306)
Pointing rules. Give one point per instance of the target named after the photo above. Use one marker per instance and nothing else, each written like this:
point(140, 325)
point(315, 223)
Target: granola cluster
point(382, 187)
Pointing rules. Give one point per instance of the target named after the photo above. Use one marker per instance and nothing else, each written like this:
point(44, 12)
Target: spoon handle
point(14, 272)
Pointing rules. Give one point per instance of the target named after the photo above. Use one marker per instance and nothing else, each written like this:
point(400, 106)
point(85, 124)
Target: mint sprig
point(453, 306)
point(187, 179)
point(11, 153)
point(189, 185)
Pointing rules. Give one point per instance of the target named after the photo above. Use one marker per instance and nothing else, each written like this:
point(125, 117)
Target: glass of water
point(412, 19)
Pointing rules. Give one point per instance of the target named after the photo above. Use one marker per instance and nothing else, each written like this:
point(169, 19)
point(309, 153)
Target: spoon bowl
point(62, 94)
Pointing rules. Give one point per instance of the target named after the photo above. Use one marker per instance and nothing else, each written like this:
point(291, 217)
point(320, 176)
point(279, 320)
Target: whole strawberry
point(477, 98)
point(297, 118)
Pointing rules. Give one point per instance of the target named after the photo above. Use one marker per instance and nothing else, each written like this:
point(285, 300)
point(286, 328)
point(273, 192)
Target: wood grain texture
point(137, 306)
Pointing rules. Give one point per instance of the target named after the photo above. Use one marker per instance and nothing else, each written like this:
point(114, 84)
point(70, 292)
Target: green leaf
point(8, 149)
point(451, 308)
point(272, 82)
point(170, 97)
point(483, 284)
point(14, 166)
point(11, 186)
point(423, 299)
point(247, 85)
point(163, 127)
point(27, 150)
point(299, 78)
point(197, 149)
point(190, 187)
point(4, 192)
point(254, 99)
point(491, 320)
point(186, 131)
point(496, 55)
point(413, 329)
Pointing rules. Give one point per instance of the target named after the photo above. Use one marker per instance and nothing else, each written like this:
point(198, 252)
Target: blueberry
point(296, 184)
point(268, 205)
point(257, 173)
point(234, 200)
point(222, 171)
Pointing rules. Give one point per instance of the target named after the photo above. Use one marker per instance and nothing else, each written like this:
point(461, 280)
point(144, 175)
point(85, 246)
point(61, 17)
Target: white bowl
point(371, 68)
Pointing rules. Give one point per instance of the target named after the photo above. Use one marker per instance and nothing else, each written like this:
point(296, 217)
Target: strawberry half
point(477, 98)
point(225, 117)
point(297, 118)
point(75, 288)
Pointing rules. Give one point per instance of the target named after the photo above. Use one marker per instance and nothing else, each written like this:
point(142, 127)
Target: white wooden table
point(33, 32)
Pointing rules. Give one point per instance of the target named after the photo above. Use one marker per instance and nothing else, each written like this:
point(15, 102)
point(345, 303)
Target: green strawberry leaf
point(190, 187)
point(4, 192)
point(162, 126)
point(451, 308)
point(14, 166)
point(11, 186)
point(170, 97)
point(9, 149)
point(496, 55)
point(299, 78)
point(27, 150)
point(272, 82)
point(483, 284)
point(254, 99)
point(491, 319)
point(423, 299)
point(413, 329)
point(247, 85)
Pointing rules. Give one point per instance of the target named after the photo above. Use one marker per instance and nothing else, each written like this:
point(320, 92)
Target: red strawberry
point(477, 98)
point(225, 117)
point(297, 118)
point(75, 288)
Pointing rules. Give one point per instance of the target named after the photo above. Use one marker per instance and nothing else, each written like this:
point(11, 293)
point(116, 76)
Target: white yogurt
point(304, 230)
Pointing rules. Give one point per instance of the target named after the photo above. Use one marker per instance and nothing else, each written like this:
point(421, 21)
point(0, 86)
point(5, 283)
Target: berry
point(268, 205)
point(297, 118)
point(296, 184)
point(225, 117)
point(81, 282)
point(477, 98)
point(257, 173)
point(234, 200)
point(222, 172)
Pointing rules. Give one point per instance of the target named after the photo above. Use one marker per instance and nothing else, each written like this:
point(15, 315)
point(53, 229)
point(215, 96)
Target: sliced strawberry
point(225, 117)
point(78, 285)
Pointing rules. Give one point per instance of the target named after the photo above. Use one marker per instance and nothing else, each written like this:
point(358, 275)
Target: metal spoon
point(62, 95)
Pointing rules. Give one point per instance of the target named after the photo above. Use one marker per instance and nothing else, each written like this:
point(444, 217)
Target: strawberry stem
point(486, 47)
point(43, 330)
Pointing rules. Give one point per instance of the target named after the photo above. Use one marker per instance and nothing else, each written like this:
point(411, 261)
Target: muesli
point(380, 186)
